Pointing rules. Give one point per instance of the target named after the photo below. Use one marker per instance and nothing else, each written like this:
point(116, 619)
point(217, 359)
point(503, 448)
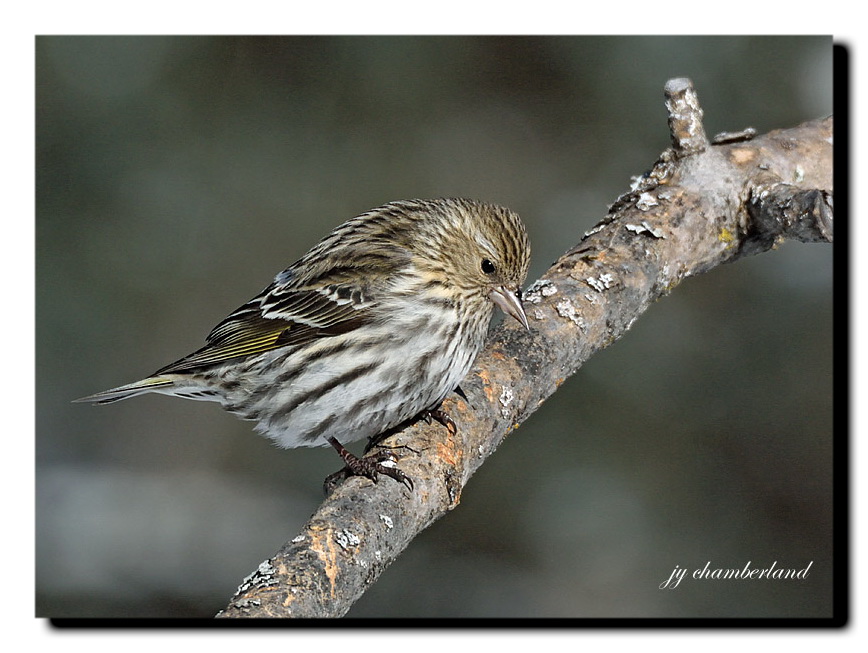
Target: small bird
point(372, 328)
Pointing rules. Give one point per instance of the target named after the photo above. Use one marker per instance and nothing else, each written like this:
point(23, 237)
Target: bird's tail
point(151, 384)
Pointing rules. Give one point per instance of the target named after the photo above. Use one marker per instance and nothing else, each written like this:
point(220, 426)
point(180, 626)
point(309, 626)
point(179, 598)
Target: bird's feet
point(370, 467)
point(383, 462)
point(441, 417)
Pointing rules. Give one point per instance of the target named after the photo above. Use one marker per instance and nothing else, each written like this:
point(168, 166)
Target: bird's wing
point(271, 321)
point(331, 291)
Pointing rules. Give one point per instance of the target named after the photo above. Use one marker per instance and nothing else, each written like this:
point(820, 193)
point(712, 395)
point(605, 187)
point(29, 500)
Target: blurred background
point(177, 175)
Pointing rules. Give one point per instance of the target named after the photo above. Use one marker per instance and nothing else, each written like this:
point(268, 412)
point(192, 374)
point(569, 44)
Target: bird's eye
point(487, 266)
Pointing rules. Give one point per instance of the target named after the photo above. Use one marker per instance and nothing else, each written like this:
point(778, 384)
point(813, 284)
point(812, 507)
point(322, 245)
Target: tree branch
point(702, 204)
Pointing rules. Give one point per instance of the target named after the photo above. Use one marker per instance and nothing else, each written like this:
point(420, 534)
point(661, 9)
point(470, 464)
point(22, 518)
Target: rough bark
point(702, 204)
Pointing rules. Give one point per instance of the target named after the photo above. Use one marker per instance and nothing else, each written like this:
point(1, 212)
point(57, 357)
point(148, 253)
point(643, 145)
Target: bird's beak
point(510, 304)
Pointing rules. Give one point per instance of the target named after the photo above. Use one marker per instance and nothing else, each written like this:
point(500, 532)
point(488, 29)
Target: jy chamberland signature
point(748, 572)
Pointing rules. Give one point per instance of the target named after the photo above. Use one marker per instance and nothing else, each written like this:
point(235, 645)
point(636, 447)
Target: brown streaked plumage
point(375, 325)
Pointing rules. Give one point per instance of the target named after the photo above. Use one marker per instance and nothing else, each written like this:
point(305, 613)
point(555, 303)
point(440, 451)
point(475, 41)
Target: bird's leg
point(368, 467)
point(371, 467)
point(432, 413)
point(441, 416)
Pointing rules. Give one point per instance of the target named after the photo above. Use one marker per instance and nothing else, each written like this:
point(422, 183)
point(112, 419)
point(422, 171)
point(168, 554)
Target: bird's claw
point(370, 467)
point(443, 418)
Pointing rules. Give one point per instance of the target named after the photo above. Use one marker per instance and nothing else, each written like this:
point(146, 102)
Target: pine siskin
point(372, 328)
